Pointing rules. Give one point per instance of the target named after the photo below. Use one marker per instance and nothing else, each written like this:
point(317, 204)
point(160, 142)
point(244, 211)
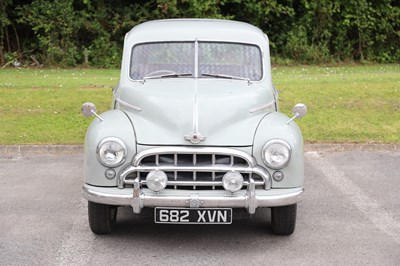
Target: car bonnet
point(217, 110)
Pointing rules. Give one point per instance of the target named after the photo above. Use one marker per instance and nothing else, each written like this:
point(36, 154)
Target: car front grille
point(192, 168)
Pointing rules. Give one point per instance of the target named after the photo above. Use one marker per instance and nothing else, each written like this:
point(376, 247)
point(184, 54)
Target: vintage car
point(194, 131)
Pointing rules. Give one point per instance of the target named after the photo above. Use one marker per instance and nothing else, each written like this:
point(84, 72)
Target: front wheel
point(283, 219)
point(102, 217)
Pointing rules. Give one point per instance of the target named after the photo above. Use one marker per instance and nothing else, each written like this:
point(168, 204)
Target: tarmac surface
point(350, 216)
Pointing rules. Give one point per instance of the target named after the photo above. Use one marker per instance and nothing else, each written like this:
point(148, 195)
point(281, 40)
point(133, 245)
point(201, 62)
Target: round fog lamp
point(232, 181)
point(156, 180)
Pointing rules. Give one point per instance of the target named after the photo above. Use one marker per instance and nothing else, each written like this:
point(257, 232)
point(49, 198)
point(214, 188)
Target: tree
point(54, 23)
point(74, 32)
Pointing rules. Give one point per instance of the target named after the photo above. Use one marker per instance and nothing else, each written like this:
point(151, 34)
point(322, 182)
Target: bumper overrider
point(193, 192)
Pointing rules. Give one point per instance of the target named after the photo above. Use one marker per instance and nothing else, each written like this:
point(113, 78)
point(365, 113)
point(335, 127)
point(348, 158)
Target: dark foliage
point(88, 32)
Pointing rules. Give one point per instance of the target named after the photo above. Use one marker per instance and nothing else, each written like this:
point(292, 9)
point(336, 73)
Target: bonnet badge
point(195, 137)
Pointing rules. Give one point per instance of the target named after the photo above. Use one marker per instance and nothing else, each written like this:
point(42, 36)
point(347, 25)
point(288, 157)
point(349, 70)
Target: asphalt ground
point(350, 216)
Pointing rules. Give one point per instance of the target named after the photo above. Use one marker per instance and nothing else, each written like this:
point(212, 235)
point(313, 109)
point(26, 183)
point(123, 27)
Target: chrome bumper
point(249, 199)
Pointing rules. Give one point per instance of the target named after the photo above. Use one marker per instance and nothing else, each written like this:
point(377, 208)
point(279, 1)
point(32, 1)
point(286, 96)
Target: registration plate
point(193, 215)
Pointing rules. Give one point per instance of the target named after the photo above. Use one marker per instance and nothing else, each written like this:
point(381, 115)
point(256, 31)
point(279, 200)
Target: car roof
point(195, 29)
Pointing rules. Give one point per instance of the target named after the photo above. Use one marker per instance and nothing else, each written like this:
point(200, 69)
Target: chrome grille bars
point(194, 166)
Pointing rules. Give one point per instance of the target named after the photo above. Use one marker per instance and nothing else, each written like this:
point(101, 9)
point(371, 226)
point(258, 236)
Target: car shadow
point(139, 235)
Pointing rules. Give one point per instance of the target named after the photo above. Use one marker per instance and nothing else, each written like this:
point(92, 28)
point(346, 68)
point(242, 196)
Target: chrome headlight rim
point(119, 142)
point(267, 145)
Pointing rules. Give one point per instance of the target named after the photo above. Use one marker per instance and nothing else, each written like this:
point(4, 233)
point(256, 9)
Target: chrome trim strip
point(195, 110)
point(195, 136)
point(262, 107)
point(196, 58)
point(141, 198)
point(133, 107)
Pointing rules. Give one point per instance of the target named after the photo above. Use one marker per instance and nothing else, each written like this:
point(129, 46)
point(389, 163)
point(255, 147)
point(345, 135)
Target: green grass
point(43, 105)
point(346, 103)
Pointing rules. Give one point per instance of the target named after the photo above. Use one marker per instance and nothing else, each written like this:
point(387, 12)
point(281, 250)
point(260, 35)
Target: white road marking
point(76, 248)
point(369, 207)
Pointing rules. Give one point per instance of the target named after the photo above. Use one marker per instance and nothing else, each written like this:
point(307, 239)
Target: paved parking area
point(350, 216)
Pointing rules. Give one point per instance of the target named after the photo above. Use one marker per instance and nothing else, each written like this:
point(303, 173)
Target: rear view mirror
point(298, 111)
point(88, 109)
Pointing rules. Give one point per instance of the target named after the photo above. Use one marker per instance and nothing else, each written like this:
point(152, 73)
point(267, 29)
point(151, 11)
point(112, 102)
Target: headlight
point(276, 154)
point(111, 152)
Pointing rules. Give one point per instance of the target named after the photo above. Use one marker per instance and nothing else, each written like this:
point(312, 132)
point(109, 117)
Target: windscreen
point(177, 59)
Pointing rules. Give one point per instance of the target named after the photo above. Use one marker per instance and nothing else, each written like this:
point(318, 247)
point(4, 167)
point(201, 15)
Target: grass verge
point(358, 104)
point(42, 106)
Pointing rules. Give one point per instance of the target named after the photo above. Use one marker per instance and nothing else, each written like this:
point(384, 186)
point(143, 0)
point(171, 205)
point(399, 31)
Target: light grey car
point(194, 131)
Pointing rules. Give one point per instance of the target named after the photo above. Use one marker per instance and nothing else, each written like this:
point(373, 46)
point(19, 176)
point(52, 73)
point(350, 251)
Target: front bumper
point(138, 198)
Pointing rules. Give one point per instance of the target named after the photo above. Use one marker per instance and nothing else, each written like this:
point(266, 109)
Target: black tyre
point(102, 217)
point(283, 219)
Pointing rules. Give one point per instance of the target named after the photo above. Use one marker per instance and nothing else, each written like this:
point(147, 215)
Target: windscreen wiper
point(170, 75)
point(224, 76)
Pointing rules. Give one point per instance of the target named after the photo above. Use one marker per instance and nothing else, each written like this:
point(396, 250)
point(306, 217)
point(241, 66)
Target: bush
point(75, 32)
